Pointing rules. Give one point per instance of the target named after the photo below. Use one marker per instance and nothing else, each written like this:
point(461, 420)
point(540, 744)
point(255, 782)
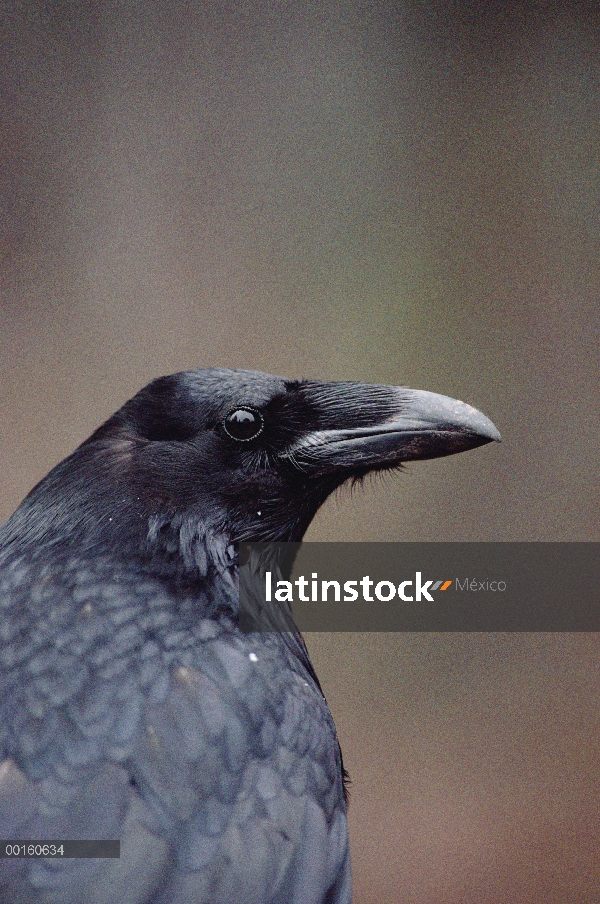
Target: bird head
point(234, 454)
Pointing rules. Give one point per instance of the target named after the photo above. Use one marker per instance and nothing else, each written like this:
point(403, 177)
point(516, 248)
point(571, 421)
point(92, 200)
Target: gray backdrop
point(399, 192)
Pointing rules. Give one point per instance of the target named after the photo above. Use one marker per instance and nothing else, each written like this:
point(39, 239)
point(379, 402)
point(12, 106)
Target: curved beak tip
point(440, 410)
point(482, 425)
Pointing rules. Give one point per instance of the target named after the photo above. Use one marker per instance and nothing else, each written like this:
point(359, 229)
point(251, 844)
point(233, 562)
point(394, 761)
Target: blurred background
point(395, 192)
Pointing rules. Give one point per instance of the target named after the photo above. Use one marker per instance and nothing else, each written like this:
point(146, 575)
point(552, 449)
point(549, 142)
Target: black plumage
point(131, 706)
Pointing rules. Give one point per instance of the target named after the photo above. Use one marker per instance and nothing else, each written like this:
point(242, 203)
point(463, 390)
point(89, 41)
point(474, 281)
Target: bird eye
point(243, 424)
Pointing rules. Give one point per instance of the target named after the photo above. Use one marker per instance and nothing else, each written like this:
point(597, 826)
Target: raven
point(132, 706)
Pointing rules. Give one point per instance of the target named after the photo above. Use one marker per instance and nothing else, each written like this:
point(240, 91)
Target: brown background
point(405, 193)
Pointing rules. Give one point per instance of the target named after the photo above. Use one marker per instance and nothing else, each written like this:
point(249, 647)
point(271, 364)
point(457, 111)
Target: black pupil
point(243, 423)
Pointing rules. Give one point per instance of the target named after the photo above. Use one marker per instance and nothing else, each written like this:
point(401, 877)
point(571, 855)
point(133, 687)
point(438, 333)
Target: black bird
point(131, 705)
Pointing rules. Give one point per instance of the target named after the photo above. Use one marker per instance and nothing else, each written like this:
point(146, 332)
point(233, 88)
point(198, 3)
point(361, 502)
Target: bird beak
point(414, 425)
